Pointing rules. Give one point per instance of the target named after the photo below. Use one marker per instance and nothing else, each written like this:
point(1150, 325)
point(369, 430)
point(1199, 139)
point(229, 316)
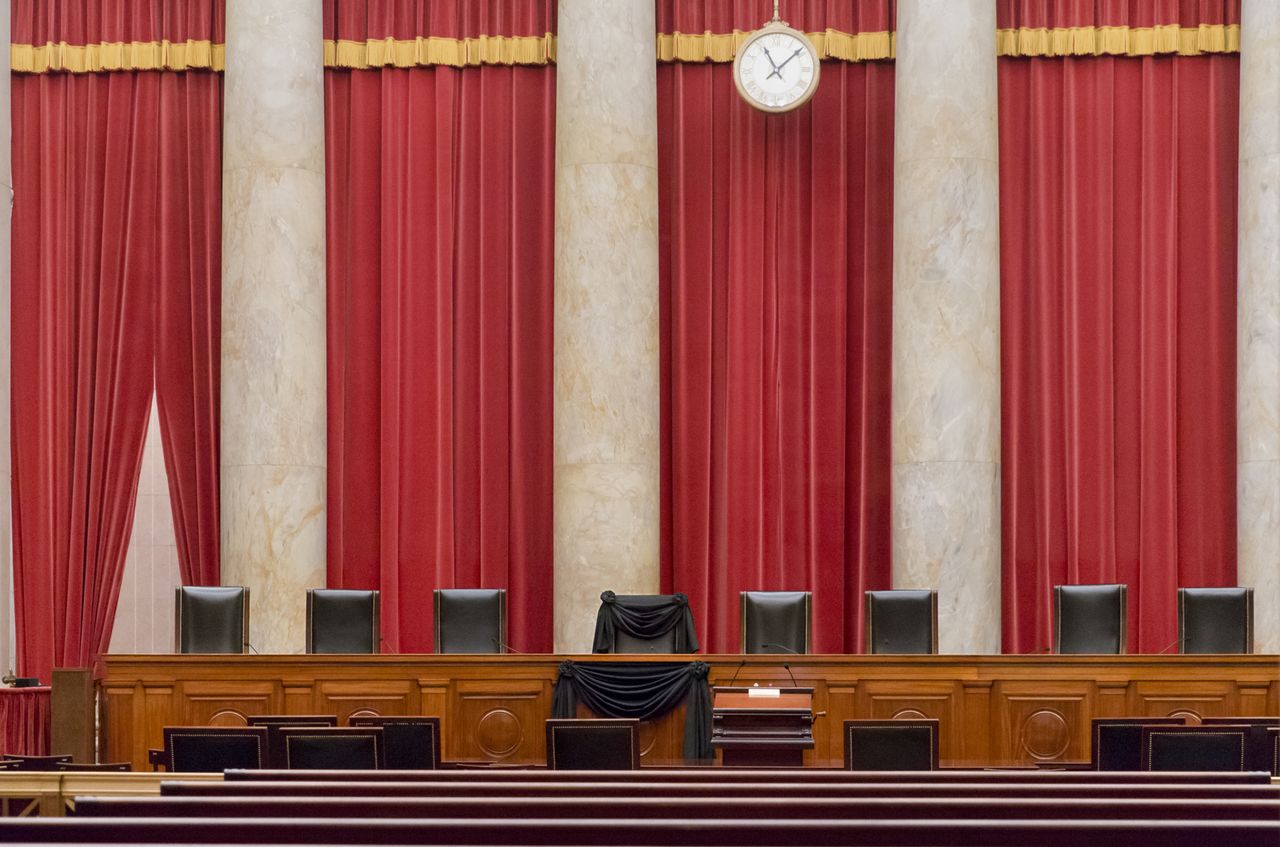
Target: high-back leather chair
point(775, 621)
point(1215, 620)
point(603, 744)
point(902, 621)
point(644, 623)
point(471, 620)
point(213, 749)
point(273, 723)
point(1117, 742)
point(1196, 748)
point(409, 743)
point(342, 621)
point(892, 745)
point(329, 748)
point(211, 619)
point(1264, 743)
point(1090, 619)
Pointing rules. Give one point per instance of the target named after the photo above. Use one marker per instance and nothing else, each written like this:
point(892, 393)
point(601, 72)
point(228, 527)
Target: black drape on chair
point(644, 621)
point(641, 690)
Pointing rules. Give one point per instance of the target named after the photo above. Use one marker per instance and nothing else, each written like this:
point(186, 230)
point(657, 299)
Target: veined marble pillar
point(946, 317)
point(8, 647)
point(273, 314)
point(1258, 318)
point(606, 311)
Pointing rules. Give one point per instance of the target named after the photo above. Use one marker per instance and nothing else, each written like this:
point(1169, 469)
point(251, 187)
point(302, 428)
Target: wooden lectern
point(763, 727)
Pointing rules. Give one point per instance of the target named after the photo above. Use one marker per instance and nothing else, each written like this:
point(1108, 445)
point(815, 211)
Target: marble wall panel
point(273, 448)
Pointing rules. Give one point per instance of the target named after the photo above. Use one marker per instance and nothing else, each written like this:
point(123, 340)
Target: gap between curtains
point(115, 289)
point(1118, 327)
point(776, 284)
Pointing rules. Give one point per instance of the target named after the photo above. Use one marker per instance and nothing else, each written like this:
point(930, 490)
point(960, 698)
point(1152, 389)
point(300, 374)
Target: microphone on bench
point(785, 666)
point(504, 647)
point(737, 671)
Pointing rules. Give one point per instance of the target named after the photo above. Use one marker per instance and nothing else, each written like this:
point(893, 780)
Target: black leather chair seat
point(1215, 620)
point(606, 744)
point(902, 621)
point(775, 621)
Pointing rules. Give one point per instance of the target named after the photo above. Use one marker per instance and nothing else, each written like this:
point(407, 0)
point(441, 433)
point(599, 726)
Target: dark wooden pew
point(622, 791)
point(728, 776)
point(604, 810)
point(655, 833)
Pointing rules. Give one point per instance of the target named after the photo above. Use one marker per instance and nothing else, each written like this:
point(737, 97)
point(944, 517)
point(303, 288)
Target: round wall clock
point(776, 69)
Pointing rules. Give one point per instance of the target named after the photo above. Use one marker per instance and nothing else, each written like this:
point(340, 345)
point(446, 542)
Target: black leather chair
point(342, 621)
point(1264, 743)
point(1215, 620)
point(275, 747)
point(902, 621)
point(327, 748)
point(1196, 748)
point(1090, 619)
point(1117, 742)
point(776, 621)
point(603, 744)
point(211, 620)
point(892, 745)
point(409, 743)
point(471, 620)
point(644, 623)
point(213, 749)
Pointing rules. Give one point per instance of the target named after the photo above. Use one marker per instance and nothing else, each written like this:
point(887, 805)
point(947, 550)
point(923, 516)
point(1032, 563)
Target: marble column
point(1258, 319)
point(946, 317)
point(273, 314)
point(8, 645)
point(606, 311)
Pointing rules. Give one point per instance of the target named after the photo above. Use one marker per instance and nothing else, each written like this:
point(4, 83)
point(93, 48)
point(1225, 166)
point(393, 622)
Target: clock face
point(776, 69)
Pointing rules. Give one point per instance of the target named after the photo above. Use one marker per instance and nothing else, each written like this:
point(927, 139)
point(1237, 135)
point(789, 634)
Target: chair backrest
point(902, 621)
point(776, 621)
point(1215, 620)
point(211, 619)
point(1117, 742)
point(1271, 746)
point(1196, 748)
point(36, 763)
point(1090, 619)
point(626, 643)
point(275, 748)
point(342, 621)
point(409, 743)
point(604, 744)
point(213, 749)
point(329, 748)
point(1264, 743)
point(105, 767)
point(892, 745)
point(471, 620)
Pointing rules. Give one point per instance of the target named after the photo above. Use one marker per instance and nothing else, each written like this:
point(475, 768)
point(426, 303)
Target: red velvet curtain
point(440, 219)
point(115, 287)
point(1118, 246)
point(776, 284)
point(1053, 14)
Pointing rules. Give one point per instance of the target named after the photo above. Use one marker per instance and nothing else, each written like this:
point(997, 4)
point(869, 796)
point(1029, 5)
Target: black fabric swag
point(644, 620)
point(641, 690)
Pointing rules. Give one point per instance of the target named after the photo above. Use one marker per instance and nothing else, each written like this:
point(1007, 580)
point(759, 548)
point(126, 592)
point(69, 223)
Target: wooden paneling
point(994, 710)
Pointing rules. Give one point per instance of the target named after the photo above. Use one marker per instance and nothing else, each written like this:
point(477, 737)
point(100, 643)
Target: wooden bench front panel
point(993, 710)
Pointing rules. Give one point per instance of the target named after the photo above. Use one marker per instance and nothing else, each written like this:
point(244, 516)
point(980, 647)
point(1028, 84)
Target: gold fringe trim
point(430, 50)
point(723, 46)
point(117, 56)
point(1119, 40)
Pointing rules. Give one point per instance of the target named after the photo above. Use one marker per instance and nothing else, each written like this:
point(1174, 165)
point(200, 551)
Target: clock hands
point(777, 69)
point(770, 58)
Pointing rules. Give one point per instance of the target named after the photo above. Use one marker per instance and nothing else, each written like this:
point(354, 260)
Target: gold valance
point(431, 50)
point(723, 46)
point(117, 56)
point(1119, 40)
